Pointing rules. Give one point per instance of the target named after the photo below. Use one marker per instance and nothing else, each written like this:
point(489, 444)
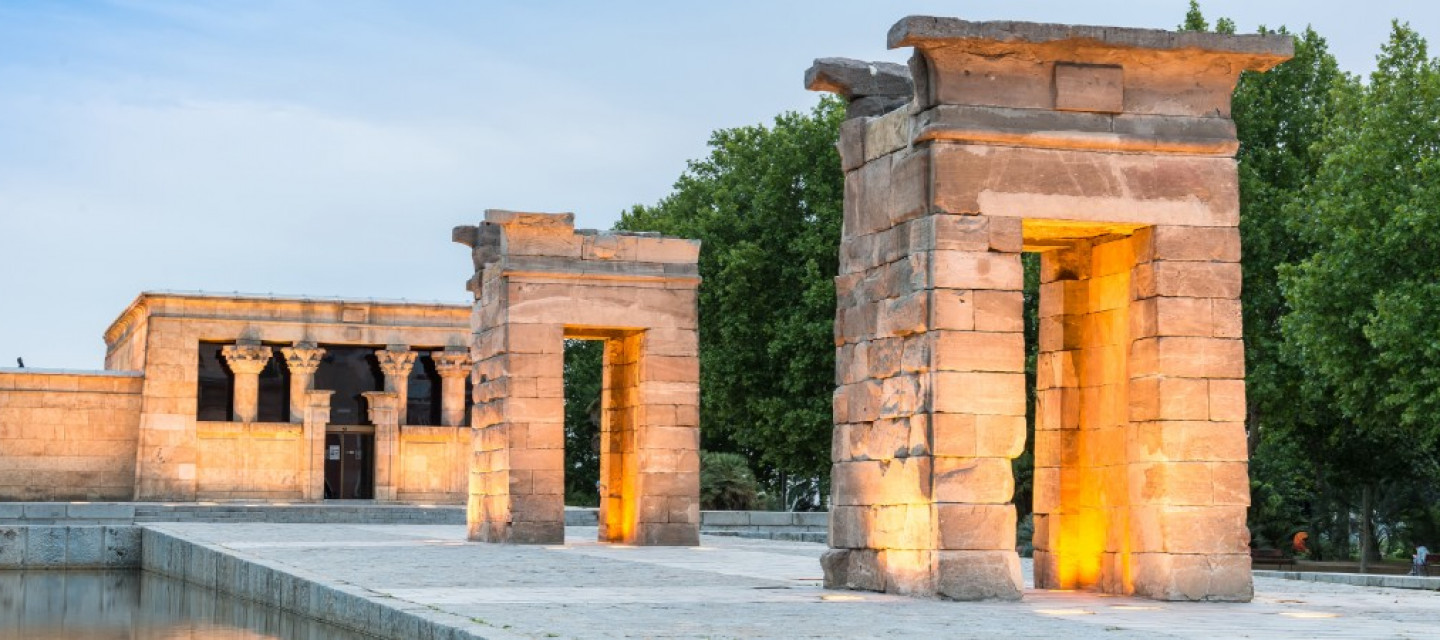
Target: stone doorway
point(1110, 152)
point(349, 465)
point(537, 283)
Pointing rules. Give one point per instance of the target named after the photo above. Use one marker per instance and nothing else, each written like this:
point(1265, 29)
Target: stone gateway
point(1110, 152)
point(539, 282)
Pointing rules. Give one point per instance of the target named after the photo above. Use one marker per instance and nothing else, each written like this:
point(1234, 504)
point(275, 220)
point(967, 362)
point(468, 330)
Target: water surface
point(134, 605)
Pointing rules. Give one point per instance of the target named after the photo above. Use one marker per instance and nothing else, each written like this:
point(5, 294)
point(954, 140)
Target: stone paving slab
point(742, 588)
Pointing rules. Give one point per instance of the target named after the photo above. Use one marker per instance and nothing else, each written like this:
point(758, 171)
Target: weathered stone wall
point(433, 464)
point(539, 282)
point(68, 435)
point(171, 448)
point(251, 460)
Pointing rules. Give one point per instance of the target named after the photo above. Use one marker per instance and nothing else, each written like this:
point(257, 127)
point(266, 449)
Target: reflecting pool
point(133, 605)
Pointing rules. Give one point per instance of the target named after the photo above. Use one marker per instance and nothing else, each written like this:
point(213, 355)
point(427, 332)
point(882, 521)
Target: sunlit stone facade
point(1111, 153)
point(214, 397)
point(538, 282)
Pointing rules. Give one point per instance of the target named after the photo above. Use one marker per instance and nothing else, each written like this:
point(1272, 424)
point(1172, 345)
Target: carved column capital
point(302, 360)
point(249, 359)
point(452, 364)
point(395, 363)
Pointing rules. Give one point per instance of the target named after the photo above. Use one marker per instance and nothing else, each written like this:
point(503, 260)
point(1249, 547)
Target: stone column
point(1190, 482)
point(246, 361)
point(454, 367)
point(316, 416)
point(396, 362)
point(385, 415)
point(302, 360)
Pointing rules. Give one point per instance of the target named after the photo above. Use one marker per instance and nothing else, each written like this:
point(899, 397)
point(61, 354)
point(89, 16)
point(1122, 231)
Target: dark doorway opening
point(349, 371)
point(349, 466)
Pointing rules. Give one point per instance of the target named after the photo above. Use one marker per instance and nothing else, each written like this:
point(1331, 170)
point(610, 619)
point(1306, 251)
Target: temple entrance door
point(349, 466)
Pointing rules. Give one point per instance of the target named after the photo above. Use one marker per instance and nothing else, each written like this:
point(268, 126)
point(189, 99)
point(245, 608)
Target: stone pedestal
point(246, 362)
point(1110, 152)
point(539, 282)
point(316, 418)
point(385, 409)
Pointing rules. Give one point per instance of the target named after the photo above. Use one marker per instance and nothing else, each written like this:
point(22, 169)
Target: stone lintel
point(1047, 129)
point(1062, 41)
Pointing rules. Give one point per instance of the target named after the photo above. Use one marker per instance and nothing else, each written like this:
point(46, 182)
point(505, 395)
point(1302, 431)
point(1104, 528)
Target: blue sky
point(327, 148)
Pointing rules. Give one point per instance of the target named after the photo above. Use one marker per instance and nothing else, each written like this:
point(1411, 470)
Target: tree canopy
point(766, 204)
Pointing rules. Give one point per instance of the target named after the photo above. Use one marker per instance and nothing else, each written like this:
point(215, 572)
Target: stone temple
point(1110, 152)
point(226, 396)
point(1107, 151)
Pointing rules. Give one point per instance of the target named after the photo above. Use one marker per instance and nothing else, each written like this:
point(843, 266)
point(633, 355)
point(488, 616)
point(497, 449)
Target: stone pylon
point(537, 283)
point(1110, 152)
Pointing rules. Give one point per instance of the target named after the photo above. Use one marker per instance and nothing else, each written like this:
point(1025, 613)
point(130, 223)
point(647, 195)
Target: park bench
point(1274, 557)
point(1432, 560)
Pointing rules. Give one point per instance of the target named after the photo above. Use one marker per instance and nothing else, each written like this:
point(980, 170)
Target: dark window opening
point(215, 385)
point(274, 398)
point(349, 371)
point(422, 402)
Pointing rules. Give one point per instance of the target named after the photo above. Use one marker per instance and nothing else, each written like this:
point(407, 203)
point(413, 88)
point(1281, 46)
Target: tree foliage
point(583, 380)
point(766, 204)
point(726, 482)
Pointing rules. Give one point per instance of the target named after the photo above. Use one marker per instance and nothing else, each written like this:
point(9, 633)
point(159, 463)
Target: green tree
point(1279, 116)
point(766, 203)
point(1361, 318)
point(583, 378)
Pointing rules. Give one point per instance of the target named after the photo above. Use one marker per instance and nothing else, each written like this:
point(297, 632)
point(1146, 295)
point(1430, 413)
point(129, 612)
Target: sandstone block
point(853, 79)
point(1227, 400)
point(865, 570)
point(1199, 441)
point(954, 309)
point(850, 527)
point(1204, 244)
point(1208, 577)
point(1188, 357)
point(909, 571)
point(977, 351)
point(973, 480)
point(835, 564)
point(1156, 398)
point(901, 396)
point(1101, 187)
point(901, 481)
point(1218, 529)
point(979, 393)
point(852, 144)
point(1195, 279)
point(976, 527)
point(999, 310)
point(906, 526)
point(977, 270)
point(669, 534)
point(1089, 88)
point(961, 232)
point(978, 575)
point(904, 315)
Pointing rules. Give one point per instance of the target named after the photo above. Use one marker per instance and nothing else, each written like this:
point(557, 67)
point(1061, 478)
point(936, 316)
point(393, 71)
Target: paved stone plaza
point(740, 588)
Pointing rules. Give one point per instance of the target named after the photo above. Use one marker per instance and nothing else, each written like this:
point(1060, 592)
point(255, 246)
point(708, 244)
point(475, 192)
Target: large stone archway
point(1111, 152)
point(538, 282)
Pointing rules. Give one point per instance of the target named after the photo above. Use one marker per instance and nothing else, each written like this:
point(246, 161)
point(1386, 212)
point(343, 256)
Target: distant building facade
point(225, 397)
